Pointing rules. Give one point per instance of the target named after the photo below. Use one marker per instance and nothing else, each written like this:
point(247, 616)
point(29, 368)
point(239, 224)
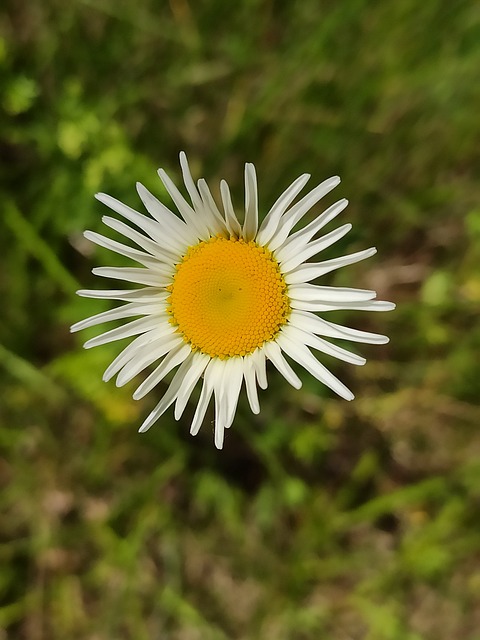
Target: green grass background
point(320, 519)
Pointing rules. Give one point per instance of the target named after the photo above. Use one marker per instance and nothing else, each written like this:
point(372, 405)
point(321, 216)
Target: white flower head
point(221, 297)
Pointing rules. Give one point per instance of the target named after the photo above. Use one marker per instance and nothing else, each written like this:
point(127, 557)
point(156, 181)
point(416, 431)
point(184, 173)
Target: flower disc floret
point(228, 297)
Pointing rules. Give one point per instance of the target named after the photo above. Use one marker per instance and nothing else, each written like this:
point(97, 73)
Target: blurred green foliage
point(320, 518)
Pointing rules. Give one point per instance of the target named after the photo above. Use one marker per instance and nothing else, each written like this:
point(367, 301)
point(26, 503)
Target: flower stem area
point(320, 519)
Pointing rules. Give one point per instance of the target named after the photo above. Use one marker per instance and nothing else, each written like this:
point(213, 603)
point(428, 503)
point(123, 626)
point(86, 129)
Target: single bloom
point(221, 297)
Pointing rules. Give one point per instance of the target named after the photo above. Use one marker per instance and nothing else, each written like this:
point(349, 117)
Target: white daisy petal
point(273, 217)
point(204, 212)
point(260, 366)
point(148, 294)
point(290, 260)
point(141, 325)
point(220, 297)
point(122, 249)
point(234, 375)
point(274, 353)
point(147, 356)
point(312, 270)
point(250, 225)
point(216, 381)
point(296, 213)
point(202, 405)
point(314, 341)
point(219, 430)
point(161, 275)
point(179, 234)
point(130, 351)
point(251, 385)
point(300, 238)
point(231, 219)
point(186, 211)
point(212, 376)
point(311, 292)
point(191, 378)
point(302, 354)
point(189, 183)
point(162, 214)
point(165, 251)
point(172, 360)
point(151, 227)
point(127, 311)
point(171, 394)
point(369, 305)
point(378, 305)
point(220, 412)
point(210, 205)
point(310, 322)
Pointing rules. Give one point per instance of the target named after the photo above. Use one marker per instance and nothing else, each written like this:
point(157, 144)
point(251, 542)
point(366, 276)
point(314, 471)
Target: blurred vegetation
point(320, 518)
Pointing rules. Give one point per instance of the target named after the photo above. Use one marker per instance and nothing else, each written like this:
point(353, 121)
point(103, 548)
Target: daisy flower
point(220, 297)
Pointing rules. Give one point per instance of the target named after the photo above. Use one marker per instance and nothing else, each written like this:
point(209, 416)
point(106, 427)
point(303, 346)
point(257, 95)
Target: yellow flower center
point(228, 297)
